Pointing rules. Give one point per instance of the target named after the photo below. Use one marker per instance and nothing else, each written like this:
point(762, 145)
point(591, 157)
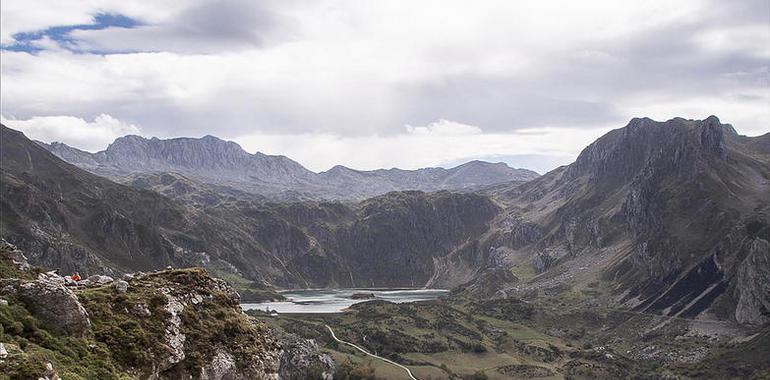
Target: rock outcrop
point(52, 303)
point(164, 325)
point(301, 359)
point(752, 287)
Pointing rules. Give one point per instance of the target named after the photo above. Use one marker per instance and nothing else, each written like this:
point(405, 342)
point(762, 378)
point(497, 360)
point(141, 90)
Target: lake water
point(336, 300)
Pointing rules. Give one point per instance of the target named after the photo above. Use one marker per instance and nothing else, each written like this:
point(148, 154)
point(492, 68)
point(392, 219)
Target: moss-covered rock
point(168, 324)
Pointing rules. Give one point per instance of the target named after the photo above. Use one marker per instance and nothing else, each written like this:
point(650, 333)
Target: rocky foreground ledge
point(169, 324)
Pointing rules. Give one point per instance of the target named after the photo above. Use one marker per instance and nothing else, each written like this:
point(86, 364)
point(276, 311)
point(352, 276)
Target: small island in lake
point(362, 296)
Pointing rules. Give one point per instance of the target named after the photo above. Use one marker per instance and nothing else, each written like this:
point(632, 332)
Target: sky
point(380, 84)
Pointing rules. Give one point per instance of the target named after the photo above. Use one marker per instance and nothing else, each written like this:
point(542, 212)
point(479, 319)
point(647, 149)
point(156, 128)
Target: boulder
point(54, 304)
point(222, 367)
point(51, 277)
point(302, 359)
point(50, 373)
point(121, 286)
point(140, 310)
point(100, 279)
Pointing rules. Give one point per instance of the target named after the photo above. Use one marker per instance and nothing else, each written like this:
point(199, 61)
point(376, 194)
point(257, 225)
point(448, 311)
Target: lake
point(336, 300)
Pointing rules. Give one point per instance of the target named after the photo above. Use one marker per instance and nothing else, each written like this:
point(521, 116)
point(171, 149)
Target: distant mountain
point(673, 216)
point(207, 159)
point(210, 160)
point(67, 218)
point(470, 175)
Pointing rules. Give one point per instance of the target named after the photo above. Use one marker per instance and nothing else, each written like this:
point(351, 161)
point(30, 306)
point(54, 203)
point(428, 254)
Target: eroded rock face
point(753, 285)
point(15, 255)
point(174, 337)
point(208, 337)
point(221, 367)
point(301, 359)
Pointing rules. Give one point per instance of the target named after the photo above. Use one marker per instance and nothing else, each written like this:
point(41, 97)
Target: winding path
point(408, 371)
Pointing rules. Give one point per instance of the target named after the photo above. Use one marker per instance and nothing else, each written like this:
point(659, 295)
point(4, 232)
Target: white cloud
point(432, 145)
point(444, 128)
point(33, 15)
point(336, 76)
point(74, 131)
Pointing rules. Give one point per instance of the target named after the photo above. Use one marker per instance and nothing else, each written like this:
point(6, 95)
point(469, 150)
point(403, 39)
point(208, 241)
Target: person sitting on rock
point(76, 277)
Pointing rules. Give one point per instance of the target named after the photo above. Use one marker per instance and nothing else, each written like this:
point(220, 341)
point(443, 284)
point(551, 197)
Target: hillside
point(671, 216)
point(67, 218)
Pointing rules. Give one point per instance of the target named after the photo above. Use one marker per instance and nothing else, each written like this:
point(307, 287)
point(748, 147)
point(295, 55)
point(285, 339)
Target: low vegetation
point(461, 338)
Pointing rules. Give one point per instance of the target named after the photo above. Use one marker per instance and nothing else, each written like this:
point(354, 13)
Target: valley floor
point(458, 338)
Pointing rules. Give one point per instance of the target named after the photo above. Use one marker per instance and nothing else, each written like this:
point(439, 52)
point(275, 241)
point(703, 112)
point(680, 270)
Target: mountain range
point(210, 160)
point(670, 218)
point(67, 218)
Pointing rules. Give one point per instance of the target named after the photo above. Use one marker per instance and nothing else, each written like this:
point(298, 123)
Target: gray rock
point(51, 277)
point(100, 279)
point(140, 310)
point(174, 336)
point(54, 304)
point(753, 284)
point(17, 256)
point(121, 286)
point(222, 367)
point(301, 358)
point(50, 372)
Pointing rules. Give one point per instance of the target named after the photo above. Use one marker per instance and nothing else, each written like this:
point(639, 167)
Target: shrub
point(350, 371)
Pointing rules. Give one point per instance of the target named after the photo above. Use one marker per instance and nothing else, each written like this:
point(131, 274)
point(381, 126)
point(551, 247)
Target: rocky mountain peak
point(712, 136)
point(206, 152)
point(213, 161)
point(622, 153)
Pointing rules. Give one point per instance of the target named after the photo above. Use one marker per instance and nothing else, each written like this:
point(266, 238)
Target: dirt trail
point(408, 371)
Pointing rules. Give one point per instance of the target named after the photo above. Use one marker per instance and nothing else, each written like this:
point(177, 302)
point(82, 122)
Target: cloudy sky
point(388, 83)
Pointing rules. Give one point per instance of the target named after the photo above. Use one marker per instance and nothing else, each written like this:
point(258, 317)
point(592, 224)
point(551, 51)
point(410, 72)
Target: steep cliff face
point(207, 157)
point(162, 325)
point(391, 240)
point(661, 209)
point(413, 230)
point(753, 283)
